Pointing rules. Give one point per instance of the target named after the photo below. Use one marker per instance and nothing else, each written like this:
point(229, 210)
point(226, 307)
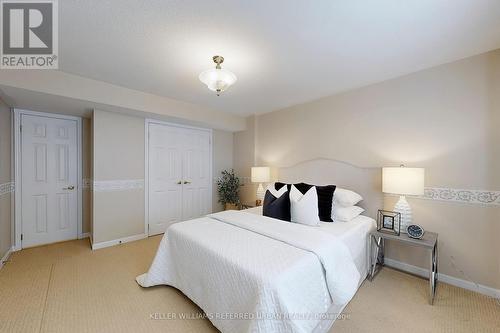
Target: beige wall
point(86, 172)
point(495, 144)
point(222, 160)
point(5, 177)
point(444, 119)
point(118, 154)
point(244, 158)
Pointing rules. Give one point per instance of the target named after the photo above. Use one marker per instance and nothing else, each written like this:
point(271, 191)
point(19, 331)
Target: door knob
point(187, 182)
point(71, 187)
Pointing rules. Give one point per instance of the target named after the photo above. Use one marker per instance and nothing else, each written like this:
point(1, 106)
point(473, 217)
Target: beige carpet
point(68, 288)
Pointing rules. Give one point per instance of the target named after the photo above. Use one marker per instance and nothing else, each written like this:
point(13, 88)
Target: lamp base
point(260, 195)
point(404, 208)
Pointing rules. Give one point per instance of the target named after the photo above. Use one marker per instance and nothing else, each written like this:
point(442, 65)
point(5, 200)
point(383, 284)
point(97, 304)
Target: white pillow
point(276, 193)
point(346, 214)
point(304, 207)
point(345, 198)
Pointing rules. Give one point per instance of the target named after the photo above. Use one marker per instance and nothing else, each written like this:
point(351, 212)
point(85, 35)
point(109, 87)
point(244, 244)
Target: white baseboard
point(5, 257)
point(100, 245)
point(469, 285)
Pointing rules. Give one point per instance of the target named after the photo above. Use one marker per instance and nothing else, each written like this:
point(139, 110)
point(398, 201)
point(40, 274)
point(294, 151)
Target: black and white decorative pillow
point(277, 204)
point(325, 197)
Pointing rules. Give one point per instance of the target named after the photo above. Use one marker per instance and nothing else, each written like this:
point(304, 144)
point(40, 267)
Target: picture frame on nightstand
point(389, 222)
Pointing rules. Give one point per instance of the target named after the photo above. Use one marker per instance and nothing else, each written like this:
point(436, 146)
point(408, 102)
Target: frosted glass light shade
point(260, 174)
point(217, 79)
point(403, 181)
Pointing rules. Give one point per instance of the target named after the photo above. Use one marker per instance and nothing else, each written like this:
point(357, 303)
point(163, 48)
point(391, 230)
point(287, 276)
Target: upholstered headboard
point(365, 181)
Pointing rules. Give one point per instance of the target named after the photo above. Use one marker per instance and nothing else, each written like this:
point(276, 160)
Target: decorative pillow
point(346, 198)
point(346, 214)
point(277, 206)
point(276, 192)
point(325, 197)
point(304, 207)
point(278, 185)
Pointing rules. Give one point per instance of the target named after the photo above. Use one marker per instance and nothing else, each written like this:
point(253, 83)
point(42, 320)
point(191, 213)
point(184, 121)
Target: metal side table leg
point(374, 257)
point(433, 275)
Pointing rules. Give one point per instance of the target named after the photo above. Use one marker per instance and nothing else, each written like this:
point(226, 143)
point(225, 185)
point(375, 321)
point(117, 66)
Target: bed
point(354, 234)
point(251, 273)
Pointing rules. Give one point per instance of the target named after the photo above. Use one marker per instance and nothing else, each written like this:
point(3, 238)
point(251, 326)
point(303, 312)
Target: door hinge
point(20, 128)
point(21, 236)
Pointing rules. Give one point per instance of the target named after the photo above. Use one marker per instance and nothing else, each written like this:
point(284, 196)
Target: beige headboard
point(365, 181)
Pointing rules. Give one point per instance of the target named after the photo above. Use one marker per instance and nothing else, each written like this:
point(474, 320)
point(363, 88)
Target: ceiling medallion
point(218, 79)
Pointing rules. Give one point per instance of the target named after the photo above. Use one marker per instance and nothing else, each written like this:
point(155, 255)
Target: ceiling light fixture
point(218, 79)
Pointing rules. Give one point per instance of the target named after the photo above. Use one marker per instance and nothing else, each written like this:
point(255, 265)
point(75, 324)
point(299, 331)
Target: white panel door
point(165, 177)
point(179, 175)
point(196, 199)
point(48, 180)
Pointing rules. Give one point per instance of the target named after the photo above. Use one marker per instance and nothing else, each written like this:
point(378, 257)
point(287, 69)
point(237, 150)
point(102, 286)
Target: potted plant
point(228, 186)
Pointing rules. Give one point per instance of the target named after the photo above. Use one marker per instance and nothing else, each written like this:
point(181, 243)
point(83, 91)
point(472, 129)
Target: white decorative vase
point(404, 208)
point(260, 192)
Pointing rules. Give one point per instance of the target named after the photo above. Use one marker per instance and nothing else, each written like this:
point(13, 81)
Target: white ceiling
point(284, 52)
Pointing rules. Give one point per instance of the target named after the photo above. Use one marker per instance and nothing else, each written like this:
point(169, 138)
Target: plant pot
point(231, 207)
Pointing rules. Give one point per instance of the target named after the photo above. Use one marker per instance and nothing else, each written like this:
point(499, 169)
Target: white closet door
point(180, 169)
point(48, 180)
point(165, 177)
point(196, 199)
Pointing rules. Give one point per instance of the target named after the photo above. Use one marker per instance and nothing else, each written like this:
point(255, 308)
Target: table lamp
point(260, 175)
point(403, 181)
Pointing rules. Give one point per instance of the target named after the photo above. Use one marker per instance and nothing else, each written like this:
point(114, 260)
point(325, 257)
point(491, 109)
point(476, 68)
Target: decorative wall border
point(246, 181)
point(7, 188)
point(243, 180)
point(118, 185)
point(482, 197)
point(478, 197)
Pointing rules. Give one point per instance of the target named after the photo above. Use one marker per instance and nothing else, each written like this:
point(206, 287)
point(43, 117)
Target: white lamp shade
point(261, 174)
point(403, 181)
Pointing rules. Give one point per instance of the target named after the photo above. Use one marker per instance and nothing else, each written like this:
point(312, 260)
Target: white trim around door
point(16, 131)
point(147, 122)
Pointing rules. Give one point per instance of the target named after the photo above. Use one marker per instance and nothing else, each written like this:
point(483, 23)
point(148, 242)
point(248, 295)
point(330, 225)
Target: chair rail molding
point(118, 185)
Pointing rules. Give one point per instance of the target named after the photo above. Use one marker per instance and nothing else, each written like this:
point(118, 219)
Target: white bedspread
point(251, 273)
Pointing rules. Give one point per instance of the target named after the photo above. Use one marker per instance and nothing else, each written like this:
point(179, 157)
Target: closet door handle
point(187, 182)
point(179, 182)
